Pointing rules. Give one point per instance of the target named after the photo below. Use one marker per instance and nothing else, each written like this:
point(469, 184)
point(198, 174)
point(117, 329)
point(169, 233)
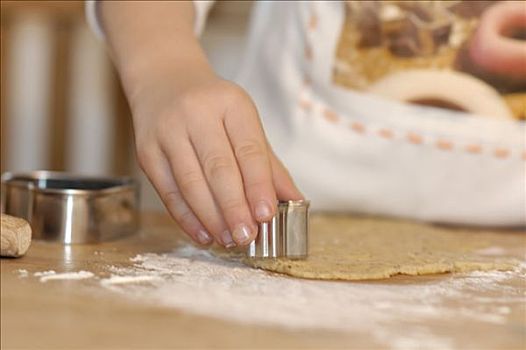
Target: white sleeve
point(92, 17)
point(202, 7)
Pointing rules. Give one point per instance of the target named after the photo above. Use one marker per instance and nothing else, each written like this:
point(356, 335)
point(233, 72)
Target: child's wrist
point(151, 74)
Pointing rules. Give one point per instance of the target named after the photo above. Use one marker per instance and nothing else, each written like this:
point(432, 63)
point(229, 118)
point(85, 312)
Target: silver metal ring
point(286, 235)
point(68, 208)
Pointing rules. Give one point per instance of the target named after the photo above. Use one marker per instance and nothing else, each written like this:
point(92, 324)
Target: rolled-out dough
point(354, 248)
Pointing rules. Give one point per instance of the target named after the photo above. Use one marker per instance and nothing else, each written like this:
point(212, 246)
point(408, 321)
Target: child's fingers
point(194, 188)
point(159, 173)
point(222, 174)
point(251, 152)
point(283, 183)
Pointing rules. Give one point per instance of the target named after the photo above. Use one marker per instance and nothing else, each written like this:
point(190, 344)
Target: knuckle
point(233, 205)
point(187, 101)
point(237, 96)
point(179, 210)
point(190, 180)
point(258, 185)
point(165, 129)
point(171, 198)
point(143, 158)
point(186, 219)
point(215, 164)
point(235, 92)
point(249, 151)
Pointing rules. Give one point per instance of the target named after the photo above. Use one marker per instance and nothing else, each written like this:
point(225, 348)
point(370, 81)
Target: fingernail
point(203, 237)
point(242, 234)
point(226, 238)
point(263, 211)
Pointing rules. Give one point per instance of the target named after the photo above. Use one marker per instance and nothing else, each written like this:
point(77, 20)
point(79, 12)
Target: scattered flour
point(44, 273)
point(116, 280)
point(52, 275)
point(194, 280)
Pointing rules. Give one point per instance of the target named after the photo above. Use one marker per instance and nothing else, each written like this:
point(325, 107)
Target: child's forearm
point(152, 39)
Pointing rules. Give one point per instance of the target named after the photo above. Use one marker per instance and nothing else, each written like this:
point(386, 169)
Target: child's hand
point(198, 137)
point(204, 150)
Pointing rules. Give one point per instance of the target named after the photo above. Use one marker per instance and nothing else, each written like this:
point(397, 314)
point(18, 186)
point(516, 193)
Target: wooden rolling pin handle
point(15, 236)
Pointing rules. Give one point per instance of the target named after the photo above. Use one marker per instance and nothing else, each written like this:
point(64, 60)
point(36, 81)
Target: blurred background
point(62, 107)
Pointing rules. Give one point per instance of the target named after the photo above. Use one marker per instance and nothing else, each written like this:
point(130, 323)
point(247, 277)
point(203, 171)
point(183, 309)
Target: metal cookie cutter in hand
point(67, 208)
point(286, 235)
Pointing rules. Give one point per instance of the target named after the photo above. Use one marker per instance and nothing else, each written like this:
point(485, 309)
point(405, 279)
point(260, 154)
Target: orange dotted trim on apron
point(412, 137)
point(473, 149)
point(385, 134)
point(501, 153)
point(444, 145)
point(306, 105)
point(415, 139)
point(357, 127)
point(313, 21)
point(331, 116)
point(312, 25)
point(308, 52)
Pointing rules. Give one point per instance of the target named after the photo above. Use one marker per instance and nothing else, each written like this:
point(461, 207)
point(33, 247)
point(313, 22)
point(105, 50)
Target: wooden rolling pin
point(15, 236)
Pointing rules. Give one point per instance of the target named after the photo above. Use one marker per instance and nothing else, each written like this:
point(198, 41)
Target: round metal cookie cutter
point(67, 208)
point(286, 235)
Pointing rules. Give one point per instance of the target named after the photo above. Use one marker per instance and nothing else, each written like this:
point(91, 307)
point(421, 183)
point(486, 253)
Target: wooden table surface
point(77, 314)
